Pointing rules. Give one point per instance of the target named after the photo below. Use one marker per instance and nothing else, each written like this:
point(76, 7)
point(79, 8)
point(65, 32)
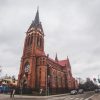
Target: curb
point(21, 96)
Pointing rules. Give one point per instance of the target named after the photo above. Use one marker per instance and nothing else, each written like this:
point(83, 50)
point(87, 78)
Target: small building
point(8, 82)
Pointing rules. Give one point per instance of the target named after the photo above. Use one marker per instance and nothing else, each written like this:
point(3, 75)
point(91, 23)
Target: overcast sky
point(71, 27)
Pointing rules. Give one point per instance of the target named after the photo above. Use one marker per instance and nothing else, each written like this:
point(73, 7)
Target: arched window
point(28, 41)
point(43, 60)
point(69, 73)
point(37, 40)
point(40, 74)
point(41, 42)
point(26, 67)
point(40, 61)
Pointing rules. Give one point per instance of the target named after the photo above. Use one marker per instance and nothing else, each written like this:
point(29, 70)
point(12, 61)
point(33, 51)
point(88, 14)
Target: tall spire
point(67, 58)
point(68, 61)
point(36, 20)
point(56, 58)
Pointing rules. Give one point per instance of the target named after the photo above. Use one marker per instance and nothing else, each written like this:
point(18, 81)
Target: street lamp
point(98, 78)
point(47, 79)
point(21, 86)
point(48, 83)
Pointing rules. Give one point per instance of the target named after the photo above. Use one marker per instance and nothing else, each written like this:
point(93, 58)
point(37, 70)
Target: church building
point(38, 70)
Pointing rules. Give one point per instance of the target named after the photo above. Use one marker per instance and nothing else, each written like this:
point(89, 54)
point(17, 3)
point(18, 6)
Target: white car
point(73, 92)
point(80, 91)
point(97, 90)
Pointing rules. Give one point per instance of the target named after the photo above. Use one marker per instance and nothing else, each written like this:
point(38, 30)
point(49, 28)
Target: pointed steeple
point(68, 62)
point(36, 20)
point(56, 58)
point(67, 58)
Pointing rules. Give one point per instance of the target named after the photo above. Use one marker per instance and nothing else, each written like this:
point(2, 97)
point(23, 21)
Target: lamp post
point(48, 83)
point(98, 78)
point(46, 80)
point(21, 86)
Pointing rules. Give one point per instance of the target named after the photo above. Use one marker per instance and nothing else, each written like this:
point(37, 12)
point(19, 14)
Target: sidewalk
point(24, 96)
point(95, 97)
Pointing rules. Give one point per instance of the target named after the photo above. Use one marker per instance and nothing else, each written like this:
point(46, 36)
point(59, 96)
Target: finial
point(36, 20)
point(37, 8)
point(47, 55)
point(56, 58)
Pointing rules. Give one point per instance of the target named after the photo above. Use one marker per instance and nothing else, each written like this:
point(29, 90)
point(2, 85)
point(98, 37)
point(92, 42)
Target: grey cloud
point(72, 25)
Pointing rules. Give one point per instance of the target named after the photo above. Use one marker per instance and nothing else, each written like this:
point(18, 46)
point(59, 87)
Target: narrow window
point(31, 40)
point(43, 61)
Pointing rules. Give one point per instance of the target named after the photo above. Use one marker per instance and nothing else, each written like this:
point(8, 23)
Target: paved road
point(96, 97)
point(85, 96)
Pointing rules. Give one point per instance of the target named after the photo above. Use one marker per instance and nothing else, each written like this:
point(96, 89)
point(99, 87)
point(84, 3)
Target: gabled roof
point(63, 62)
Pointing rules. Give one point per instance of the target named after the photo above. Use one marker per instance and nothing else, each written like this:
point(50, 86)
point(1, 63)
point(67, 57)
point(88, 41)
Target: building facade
point(38, 70)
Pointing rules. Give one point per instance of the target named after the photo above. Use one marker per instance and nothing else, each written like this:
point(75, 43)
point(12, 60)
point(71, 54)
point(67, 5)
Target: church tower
point(34, 42)
point(33, 49)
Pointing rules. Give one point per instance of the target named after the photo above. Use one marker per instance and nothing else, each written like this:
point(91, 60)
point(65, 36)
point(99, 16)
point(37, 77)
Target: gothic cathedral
point(39, 71)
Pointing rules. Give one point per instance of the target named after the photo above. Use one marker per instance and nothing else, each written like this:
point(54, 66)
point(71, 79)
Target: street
point(85, 96)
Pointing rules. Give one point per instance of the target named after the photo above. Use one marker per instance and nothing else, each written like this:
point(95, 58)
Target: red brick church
point(38, 70)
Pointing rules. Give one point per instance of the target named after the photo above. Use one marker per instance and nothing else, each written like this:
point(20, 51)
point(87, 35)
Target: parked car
point(80, 91)
point(97, 90)
point(73, 92)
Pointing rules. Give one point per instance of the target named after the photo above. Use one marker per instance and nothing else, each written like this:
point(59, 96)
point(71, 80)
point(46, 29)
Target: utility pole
point(79, 80)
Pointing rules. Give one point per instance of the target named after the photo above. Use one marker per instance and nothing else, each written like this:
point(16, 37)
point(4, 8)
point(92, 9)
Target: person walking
point(41, 90)
point(13, 93)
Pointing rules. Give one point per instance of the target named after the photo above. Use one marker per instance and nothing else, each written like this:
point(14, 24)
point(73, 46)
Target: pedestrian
point(13, 93)
point(41, 90)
